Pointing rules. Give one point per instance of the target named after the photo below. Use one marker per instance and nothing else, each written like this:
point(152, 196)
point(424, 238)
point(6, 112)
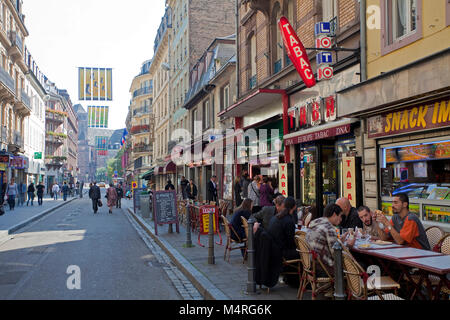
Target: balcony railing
point(25, 99)
point(143, 91)
point(7, 80)
point(54, 116)
point(140, 129)
point(141, 111)
point(16, 40)
point(18, 139)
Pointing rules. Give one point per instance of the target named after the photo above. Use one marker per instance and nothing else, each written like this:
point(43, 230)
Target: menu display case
point(422, 171)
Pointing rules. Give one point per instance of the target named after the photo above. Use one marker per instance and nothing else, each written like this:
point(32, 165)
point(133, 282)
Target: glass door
point(329, 174)
point(308, 158)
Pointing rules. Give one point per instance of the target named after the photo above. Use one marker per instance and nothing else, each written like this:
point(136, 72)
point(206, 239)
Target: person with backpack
point(65, 191)
point(119, 191)
point(31, 191)
point(40, 192)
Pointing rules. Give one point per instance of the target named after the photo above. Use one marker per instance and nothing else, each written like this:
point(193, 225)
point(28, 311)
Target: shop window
point(401, 23)
point(422, 171)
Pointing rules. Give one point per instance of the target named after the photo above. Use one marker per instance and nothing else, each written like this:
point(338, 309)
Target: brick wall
point(207, 22)
point(347, 13)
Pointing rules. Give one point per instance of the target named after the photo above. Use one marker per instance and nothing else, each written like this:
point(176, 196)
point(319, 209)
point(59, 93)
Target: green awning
point(147, 175)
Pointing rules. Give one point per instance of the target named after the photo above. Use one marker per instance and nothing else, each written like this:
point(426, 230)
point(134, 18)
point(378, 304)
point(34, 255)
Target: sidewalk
point(12, 221)
point(221, 281)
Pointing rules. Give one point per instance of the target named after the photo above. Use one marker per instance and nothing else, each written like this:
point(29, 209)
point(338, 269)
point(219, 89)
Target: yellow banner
point(95, 84)
point(102, 83)
point(109, 84)
point(88, 85)
point(283, 179)
point(349, 179)
point(81, 83)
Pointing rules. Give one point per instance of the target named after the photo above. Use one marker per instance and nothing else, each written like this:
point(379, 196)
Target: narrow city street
point(73, 254)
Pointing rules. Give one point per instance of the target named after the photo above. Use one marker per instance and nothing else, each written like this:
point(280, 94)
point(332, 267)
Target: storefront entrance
point(318, 180)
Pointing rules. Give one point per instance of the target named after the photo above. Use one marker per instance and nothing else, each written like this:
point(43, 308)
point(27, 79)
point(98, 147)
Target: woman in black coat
point(237, 192)
point(245, 210)
point(282, 230)
point(191, 190)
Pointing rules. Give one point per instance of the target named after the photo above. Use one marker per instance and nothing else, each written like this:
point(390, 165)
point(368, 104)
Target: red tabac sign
point(296, 52)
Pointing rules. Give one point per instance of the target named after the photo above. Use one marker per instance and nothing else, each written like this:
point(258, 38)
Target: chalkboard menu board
point(165, 209)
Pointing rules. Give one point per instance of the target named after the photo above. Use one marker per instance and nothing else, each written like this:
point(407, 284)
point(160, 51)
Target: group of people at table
point(338, 223)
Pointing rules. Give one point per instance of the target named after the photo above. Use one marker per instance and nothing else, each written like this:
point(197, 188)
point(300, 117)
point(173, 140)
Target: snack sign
point(296, 52)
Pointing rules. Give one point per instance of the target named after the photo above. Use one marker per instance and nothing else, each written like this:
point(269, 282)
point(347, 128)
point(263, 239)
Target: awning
point(331, 129)
point(252, 102)
point(158, 170)
point(170, 167)
point(147, 175)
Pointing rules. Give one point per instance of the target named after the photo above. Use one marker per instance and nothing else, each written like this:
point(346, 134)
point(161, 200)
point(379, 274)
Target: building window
point(225, 97)
point(402, 25)
point(329, 10)
point(277, 43)
point(252, 61)
point(206, 115)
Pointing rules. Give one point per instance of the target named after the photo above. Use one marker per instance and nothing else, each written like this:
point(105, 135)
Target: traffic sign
point(134, 185)
point(38, 155)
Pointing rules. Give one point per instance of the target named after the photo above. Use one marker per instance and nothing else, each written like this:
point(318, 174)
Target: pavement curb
point(34, 218)
point(206, 288)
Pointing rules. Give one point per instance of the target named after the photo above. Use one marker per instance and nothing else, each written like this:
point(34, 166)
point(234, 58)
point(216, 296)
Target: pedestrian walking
point(191, 190)
point(183, 184)
point(111, 195)
point(22, 192)
point(31, 191)
point(245, 181)
point(237, 192)
point(211, 191)
point(65, 191)
point(12, 191)
point(266, 193)
point(119, 191)
point(253, 193)
point(95, 195)
point(3, 192)
point(81, 189)
point(55, 191)
point(40, 192)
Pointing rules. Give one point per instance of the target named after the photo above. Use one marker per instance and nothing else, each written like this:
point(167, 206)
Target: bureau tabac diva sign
point(296, 52)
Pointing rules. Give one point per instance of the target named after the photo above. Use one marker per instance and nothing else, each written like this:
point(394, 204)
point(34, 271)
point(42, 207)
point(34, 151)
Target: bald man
point(350, 217)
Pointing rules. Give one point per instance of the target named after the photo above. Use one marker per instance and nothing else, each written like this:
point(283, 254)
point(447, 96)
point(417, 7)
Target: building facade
point(15, 102)
point(404, 106)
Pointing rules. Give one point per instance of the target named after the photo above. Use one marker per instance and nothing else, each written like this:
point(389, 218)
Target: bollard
point(338, 272)
point(251, 283)
point(211, 259)
point(188, 227)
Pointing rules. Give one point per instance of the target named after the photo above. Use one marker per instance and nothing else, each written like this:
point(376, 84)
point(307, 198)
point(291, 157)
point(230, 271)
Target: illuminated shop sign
point(296, 52)
point(312, 113)
point(410, 119)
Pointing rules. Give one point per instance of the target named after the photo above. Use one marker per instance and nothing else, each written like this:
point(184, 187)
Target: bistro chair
point(240, 244)
point(360, 286)
point(300, 233)
point(245, 226)
point(182, 212)
point(445, 244)
point(434, 235)
point(309, 260)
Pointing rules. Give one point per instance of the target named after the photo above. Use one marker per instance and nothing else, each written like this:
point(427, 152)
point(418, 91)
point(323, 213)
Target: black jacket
point(211, 192)
point(40, 189)
point(94, 193)
point(237, 194)
point(191, 192)
point(268, 259)
point(265, 215)
point(31, 188)
point(352, 221)
point(169, 186)
point(236, 222)
point(283, 232)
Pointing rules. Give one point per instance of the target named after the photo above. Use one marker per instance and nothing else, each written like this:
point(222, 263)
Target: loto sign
point(296, 52)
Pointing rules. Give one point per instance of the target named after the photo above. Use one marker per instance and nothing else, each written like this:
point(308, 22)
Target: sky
point(67, 34)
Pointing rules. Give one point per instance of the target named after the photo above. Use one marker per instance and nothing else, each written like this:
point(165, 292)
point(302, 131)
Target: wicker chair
point(360, 288)
point(445, 244)
point(245, 226)
point(230, 242)
point(309, 261)
point(434, 235)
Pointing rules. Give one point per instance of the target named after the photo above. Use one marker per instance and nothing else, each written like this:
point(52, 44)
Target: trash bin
point(145, 205)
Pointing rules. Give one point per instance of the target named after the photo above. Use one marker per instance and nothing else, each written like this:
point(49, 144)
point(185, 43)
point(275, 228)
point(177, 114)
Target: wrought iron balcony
point(140, 129)
point(7, 85)
point(16, 49)
point(143, 91)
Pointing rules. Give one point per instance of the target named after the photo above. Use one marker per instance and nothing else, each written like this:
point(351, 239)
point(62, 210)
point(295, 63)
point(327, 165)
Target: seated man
point(350, 217)
point(405, 227)
point(370, 225)
point(267, 213)
point(322, 235)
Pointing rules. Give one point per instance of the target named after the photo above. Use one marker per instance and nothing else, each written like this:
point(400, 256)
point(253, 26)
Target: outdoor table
point(435, 265)
point(410, 257)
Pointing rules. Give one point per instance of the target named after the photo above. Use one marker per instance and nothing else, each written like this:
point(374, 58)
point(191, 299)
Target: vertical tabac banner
point(88, 84)
point(349, 179)
point(102, 83)
point(95, 84)
point(283, 179)
point(109, 84)
point(81, 80)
